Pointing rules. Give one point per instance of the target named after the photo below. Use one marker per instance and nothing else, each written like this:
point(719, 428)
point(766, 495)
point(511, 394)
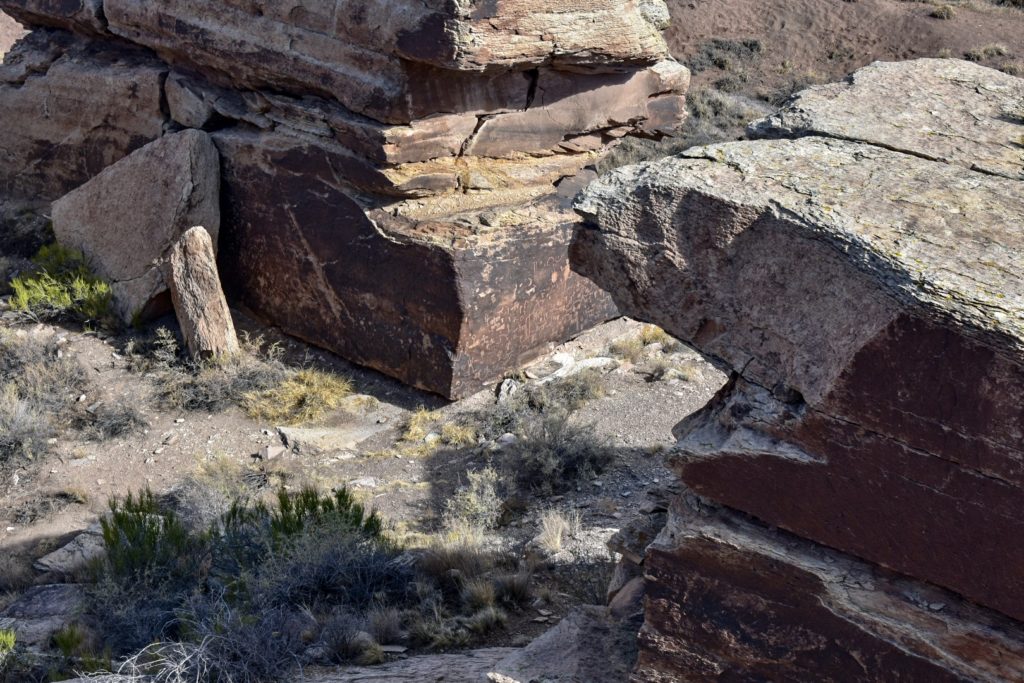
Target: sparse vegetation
point(476, 503)
point(556, 527)
point(992, 51)
point(943, 12)
point(243, 599)
point(38, 388)
point(553, 455)
point(305, 396)
point(60, 286)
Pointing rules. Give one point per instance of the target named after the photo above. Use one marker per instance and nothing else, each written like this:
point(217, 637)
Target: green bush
point(61, 286)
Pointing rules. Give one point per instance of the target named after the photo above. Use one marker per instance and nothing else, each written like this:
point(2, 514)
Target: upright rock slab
point(870, 304)
point(126, 219)
point(198, 297)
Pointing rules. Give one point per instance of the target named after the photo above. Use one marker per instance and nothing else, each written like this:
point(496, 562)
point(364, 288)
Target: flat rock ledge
point(869, 305)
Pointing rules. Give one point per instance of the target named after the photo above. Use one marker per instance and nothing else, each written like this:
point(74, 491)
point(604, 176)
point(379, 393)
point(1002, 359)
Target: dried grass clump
point(556, 527)
point(306, 396)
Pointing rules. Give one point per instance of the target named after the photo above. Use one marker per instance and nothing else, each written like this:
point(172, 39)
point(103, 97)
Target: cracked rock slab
point(126, 219)
point(871, 307)
point(731, 599)
point(951, 111)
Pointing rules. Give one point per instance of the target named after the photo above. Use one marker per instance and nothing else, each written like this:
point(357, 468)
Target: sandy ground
point(10, 31)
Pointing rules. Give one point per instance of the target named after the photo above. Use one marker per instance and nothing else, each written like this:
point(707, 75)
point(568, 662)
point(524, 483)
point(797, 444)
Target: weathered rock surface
point(41, 611)
point(198, 298)
point(459, 302)
point(730, 599)
point(84, 16)
point(870, 305)
point(79, 109)
point(430, 144)
point(587, 646)
point(386, 59)
point(126, 219)
point(76, 555)
point(951, 111)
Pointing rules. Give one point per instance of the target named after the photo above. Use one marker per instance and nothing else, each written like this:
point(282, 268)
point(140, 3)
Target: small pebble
point(179, 421)
point(936, 606)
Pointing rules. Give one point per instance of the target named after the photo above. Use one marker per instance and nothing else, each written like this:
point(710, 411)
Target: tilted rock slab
point(81, 16)
point(127, 219)
point(198, 298)
point(871, 306)
point(731, 599)
point(874, 322)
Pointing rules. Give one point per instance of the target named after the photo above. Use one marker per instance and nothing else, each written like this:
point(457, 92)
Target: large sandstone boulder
point(870, 305)
point(126, 219)
point(951, 111)
point(83, 16)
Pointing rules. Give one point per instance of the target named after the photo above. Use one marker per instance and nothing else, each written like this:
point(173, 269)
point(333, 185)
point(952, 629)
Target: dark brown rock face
point(457, 303)
point(728, 599)
point(79, 109)
point(870, 305)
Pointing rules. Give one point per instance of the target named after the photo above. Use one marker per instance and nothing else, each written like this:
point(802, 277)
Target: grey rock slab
point(466, 667)
point(75, 555)
point(126, 219)
point(948, 110)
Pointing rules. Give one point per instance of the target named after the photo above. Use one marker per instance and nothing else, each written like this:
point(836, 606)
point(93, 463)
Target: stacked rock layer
point(395, 174)
point(861, 275)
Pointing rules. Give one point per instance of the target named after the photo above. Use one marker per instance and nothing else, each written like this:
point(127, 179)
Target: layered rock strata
point(867, 297)
point(430, 144)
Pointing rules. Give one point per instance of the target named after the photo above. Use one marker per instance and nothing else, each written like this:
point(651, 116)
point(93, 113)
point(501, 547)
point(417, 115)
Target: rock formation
point(396, 174)
point(862, 282)
point(127, 219)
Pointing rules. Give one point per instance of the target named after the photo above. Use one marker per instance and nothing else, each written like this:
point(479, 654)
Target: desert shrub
point(554, 455)
point(60, 286)
point(8, 640)
point(984, 52)
point(486, 619)
point(570, 393)
point(478, 502)
point(513, 590)
point(556, 527)
point(630, 349)
point(943, 12)
point(385, 625)
point(727, 55)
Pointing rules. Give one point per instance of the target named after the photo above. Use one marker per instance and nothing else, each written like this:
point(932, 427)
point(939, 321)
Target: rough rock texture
point(952, 111)
point(41, 611)
point(392, 60)
point(470, 667)
point(126, 219)
point(459, 302)
point(79, 109)
point(75, 556)
point(396, 171)
point(730, 599)
point(587, 646)
point(84, 16)
point(870, 306)
point(198, 299)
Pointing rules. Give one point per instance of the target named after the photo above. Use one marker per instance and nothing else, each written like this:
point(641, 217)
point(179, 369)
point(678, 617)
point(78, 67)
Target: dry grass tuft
point(556, 527)
point(306, 396)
